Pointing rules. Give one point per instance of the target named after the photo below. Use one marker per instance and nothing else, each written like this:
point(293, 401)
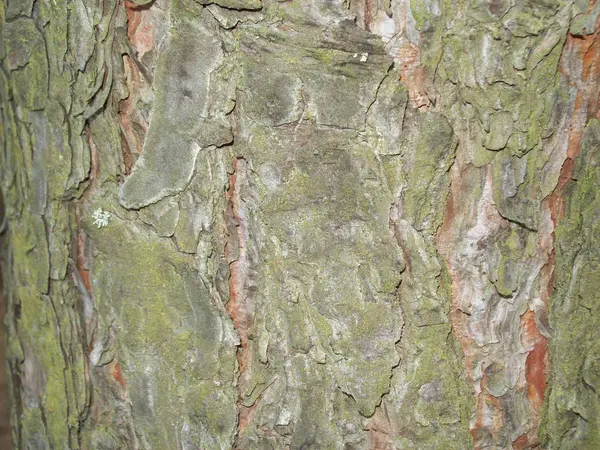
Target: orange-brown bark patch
point(117, 374)
point(380, 430)
point(236, 306)
point(535, 366)
point(140, 28)
point(521, 443)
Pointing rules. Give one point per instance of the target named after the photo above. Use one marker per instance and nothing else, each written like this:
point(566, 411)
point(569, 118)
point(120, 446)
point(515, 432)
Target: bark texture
point(316, 224)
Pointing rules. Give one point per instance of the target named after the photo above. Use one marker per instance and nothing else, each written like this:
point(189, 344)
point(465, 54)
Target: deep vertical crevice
point(237, 307)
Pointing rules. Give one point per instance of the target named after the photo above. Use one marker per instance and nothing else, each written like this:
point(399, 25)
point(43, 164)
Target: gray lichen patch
point(500, 130)
point(165, 168)
point(180, 125)
point(162, 215)
point(299, 76)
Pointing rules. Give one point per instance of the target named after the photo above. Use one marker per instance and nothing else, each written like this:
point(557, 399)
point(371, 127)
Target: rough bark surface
point(329, 224)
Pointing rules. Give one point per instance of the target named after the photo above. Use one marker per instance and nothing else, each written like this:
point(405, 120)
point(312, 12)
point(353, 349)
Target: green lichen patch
point(432, 149)
point(26, 54)
point(30, 254)
point(167, 299)
point(429, 401)
point(44, 367)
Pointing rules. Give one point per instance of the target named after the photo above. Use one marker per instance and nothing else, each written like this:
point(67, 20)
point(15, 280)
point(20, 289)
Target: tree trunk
point(316, 224)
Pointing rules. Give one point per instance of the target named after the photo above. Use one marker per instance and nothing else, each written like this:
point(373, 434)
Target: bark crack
point(237, 307)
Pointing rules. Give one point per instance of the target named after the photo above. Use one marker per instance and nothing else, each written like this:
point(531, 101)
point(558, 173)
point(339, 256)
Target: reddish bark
point(117, 374)
point(237, 307)
point(140, 29)
point(380, 430)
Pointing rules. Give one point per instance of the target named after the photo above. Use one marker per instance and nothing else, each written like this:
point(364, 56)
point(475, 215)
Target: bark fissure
point(236, 306)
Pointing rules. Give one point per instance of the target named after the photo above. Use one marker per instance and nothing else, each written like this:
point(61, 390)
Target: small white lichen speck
point(101, 218)
point(364, 57)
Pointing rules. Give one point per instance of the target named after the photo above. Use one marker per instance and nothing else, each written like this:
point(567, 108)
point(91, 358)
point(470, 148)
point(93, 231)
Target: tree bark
point(301, 224)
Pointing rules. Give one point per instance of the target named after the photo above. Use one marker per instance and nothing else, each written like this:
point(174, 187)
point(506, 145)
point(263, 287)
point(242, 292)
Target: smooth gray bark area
point(315, 224)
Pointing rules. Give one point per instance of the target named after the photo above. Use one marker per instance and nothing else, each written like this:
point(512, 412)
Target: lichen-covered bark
point(332, 224)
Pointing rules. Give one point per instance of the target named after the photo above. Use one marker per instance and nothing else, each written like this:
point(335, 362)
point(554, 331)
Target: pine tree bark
point(315, 224)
